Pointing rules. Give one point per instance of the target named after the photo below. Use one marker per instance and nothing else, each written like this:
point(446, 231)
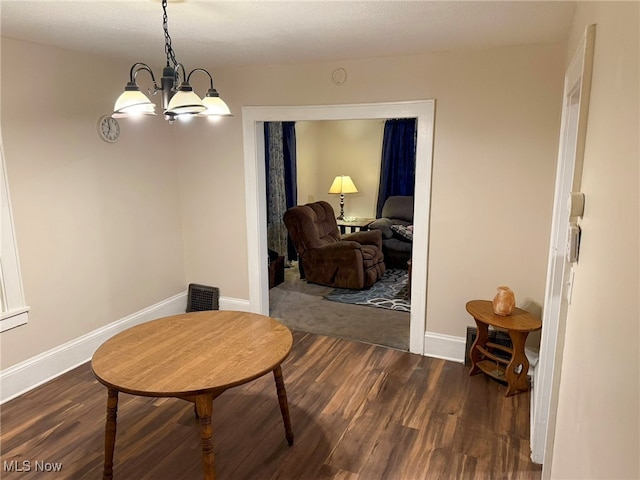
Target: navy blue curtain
point(398, 169)
point(290, 175)
point(281, 175)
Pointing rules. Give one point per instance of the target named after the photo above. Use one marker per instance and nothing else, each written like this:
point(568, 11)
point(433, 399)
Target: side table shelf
point(513, 369)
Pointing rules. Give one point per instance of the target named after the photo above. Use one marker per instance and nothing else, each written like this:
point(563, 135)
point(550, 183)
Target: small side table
point(514, 370)
point(356, 225)
point(276, 272)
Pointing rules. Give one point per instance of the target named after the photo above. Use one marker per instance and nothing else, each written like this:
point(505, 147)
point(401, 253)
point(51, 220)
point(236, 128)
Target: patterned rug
point(389, 292)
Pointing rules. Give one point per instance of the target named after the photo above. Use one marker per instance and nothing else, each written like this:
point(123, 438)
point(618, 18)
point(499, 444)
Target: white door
point(577, 86)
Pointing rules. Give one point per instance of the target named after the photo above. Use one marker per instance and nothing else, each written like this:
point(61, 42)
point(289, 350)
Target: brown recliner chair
point(346, 261)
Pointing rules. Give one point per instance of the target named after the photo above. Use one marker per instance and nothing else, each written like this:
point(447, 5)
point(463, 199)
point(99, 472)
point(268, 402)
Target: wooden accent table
point(195, 357)
point(514, 370)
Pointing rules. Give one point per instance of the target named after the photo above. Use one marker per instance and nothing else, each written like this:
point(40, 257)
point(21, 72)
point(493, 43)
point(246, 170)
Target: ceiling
point(235, 33)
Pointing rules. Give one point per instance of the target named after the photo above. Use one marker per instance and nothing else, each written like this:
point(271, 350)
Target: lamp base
point(341, 217)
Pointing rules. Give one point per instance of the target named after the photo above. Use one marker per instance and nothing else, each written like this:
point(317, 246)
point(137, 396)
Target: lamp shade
point(133, 102)
point(343, 184)
point(185, 101)
point(215, 106)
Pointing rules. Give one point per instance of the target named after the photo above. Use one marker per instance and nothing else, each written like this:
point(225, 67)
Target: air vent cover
point(202, 297)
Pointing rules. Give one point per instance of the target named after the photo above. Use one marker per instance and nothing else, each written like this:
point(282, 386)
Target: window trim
point(14, 310)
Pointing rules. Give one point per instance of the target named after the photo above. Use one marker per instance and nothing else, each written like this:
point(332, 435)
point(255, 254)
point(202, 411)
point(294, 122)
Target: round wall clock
point(108, 128)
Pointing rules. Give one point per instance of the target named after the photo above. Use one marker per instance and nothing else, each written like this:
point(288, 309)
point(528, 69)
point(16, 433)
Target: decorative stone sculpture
point(504, 301)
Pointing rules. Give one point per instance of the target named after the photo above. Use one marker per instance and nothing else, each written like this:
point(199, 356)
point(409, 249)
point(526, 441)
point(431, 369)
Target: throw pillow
point(403, 232)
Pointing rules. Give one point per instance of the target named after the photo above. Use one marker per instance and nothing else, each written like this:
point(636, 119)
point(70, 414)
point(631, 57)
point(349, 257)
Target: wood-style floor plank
point(359, 412)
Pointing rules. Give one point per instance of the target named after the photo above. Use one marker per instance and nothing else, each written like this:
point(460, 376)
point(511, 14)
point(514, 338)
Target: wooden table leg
point(516, 371)
point(482, 337)
point(204, 409)
point(284, 404)
point(110, 433)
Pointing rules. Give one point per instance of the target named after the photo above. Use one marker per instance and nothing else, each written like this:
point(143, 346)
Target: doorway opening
point(255, 191)
point(304, 159)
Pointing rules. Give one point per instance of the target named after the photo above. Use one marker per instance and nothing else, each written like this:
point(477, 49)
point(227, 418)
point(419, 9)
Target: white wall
point(598, 419)
point(344, 147)
point(97, 225)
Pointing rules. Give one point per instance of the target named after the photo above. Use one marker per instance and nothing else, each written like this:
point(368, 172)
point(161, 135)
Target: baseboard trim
point(27, 375)
point(230, 303)
point(446, 347)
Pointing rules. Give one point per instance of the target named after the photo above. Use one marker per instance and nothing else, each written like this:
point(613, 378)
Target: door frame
point(253, 119)
point(575, 109)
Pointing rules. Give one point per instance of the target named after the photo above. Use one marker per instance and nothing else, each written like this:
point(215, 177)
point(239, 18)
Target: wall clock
point(108, 128)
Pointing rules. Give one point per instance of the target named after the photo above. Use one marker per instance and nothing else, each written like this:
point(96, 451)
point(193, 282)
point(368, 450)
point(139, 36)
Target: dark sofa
point(397, 212)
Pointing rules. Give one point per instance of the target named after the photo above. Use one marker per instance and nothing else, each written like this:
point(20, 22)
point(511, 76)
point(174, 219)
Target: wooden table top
point(520, 320)
point(192, 353)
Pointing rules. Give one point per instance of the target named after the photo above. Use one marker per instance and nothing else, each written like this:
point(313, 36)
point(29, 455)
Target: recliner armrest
point(383, 225)
point(370, 237)
point(338, 253)
point(341, 246)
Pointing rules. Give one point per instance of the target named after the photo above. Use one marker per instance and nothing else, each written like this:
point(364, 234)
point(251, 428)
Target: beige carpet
point(302, 307)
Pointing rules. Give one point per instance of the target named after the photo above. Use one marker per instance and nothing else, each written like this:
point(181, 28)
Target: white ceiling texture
point(236, 33)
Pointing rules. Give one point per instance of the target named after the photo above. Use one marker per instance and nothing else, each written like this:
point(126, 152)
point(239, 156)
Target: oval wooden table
point(195, 357)
point(513, 370)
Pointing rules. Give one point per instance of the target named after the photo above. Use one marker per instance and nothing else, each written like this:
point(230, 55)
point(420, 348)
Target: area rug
point(389, 292)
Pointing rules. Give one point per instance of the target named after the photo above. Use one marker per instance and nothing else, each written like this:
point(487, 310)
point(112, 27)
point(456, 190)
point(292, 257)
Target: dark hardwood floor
point(359, 412)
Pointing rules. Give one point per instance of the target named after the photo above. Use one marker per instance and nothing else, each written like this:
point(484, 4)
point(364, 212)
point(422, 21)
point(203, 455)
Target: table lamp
point(342, 184)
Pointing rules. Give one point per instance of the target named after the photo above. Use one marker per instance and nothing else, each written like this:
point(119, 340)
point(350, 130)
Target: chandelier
point(178, 98)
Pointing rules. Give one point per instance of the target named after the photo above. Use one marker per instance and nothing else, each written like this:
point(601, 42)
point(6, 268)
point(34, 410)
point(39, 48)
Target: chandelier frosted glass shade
point(185, 102)
point(133, 102)
point(215, 106)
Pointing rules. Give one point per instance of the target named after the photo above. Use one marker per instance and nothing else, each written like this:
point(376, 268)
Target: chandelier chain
point(168, 50)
